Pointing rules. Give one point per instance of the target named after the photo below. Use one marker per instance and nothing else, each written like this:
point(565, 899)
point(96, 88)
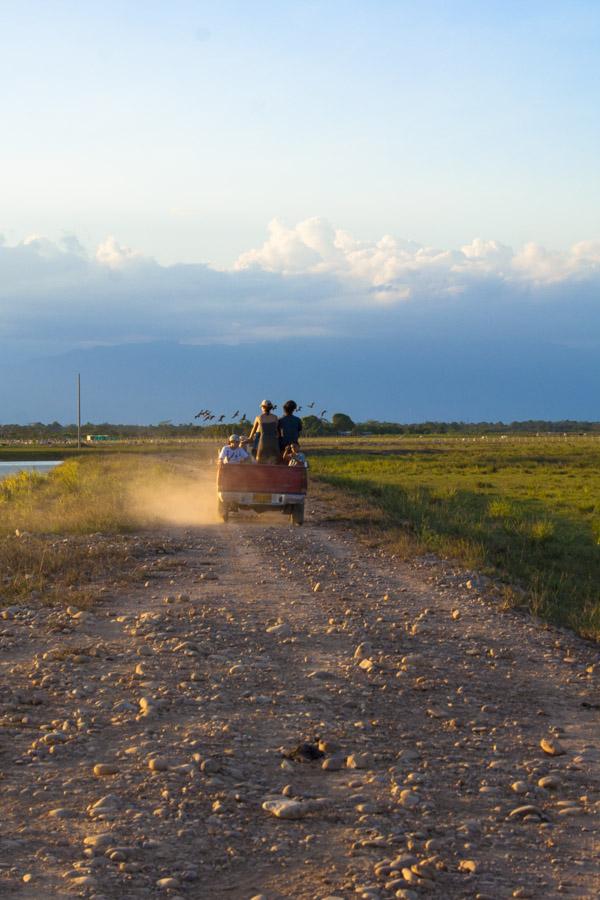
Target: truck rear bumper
point(252, 499)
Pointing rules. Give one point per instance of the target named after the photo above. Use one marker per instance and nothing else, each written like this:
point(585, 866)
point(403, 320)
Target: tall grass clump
point(85, 495)
point(79, 496)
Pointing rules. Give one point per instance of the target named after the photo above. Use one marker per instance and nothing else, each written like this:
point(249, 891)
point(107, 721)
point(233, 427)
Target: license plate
point(262, 498)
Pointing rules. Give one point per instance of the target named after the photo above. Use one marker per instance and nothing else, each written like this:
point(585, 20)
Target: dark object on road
point(304, 752)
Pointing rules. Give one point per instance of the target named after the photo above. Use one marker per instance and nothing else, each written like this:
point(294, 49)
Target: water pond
point(43, 466)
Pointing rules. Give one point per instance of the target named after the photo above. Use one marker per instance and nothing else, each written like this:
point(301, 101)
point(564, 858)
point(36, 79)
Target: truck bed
point(261, 478)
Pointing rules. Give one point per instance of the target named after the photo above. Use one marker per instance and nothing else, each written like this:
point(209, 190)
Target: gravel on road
point(278, 712)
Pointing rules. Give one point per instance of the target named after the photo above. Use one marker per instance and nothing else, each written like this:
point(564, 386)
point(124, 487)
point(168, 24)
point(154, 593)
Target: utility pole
point(78, 410)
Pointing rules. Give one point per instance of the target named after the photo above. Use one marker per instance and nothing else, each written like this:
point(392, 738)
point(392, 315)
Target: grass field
point(524, 509)
point(23, 452)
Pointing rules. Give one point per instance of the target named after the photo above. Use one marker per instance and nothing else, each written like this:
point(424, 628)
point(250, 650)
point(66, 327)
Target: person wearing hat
point(232, 452)
point(267, 427)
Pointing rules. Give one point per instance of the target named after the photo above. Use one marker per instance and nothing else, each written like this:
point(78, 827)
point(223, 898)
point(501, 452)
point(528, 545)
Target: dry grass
point(63, 534)
point(50, 571)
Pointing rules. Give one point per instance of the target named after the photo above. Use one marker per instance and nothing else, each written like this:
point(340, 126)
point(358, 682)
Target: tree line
point(313, 426)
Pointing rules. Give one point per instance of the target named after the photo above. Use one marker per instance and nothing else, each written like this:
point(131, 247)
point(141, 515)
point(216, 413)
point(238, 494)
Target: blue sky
point(239, 171)
point(184, 127)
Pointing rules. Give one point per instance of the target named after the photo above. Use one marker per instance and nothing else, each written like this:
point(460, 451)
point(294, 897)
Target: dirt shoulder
point(251, 641)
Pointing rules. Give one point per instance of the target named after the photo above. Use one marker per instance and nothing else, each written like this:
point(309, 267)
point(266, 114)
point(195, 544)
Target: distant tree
point(342, 422)
point(312, 426)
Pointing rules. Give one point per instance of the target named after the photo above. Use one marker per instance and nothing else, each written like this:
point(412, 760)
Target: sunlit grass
point(523, 510)
point(59, 533)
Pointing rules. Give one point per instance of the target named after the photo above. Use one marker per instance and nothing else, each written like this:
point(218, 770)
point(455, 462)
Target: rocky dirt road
point(277, 712)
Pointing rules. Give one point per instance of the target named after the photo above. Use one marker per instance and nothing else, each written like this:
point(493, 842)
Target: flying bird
point(298, 409)
point(310, 405)
point(221, 418)
point(323, 413)
point(235, 414)
point(244, 417)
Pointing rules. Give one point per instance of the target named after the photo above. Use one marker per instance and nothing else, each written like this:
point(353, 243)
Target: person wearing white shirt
point(232, 452)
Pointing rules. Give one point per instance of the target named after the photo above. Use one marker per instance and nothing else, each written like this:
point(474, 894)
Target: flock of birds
point(208, 416)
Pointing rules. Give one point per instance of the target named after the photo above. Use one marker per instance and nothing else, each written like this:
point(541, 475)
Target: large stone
point(101, 769)
point(359, 761)
point(61, 813)
point(409, 799)
point(334, 763)
point(164, 884)
point(84, 881)
point(549, 782)
point(552, 747)
point(293, 809)
point(280, 630)
point(99, 841)
point(363, 651)
point(469, 866)
point(519, 787)
point(520, 812)
point(107, 803)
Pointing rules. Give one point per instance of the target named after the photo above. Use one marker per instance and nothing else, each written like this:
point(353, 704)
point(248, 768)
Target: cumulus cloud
point(112, 254)
point(315, 246)
point(311, 279)
point(539, 265)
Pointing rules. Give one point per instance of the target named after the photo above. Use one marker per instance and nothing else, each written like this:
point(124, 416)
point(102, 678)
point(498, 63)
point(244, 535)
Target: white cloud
point(537, 264)
point(112, 254)
point(315, 246)
point(290, 250)
point(310, 279)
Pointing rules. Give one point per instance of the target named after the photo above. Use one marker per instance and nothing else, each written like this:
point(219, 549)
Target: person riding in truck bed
point(289, 426)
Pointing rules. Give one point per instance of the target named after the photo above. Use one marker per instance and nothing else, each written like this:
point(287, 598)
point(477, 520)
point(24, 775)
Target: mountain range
point(392, 378)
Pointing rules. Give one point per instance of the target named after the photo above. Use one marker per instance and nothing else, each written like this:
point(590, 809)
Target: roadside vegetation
point(81, 496)
point(61, 532)
point(523, 510)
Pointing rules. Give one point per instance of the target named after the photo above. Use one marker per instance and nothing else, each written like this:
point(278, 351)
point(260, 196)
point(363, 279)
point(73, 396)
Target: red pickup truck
point(262, 488)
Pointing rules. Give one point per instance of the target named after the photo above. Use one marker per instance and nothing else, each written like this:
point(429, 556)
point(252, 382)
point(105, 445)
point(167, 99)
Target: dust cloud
point(182, 495)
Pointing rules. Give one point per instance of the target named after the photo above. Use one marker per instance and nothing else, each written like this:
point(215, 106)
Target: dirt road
point(387, 708)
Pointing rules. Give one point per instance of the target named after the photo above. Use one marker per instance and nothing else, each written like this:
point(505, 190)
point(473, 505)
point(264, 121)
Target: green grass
point(38, 451)
point(524, 509)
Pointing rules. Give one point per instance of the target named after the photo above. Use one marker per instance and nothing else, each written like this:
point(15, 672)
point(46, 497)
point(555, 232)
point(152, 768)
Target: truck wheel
point(297, 514)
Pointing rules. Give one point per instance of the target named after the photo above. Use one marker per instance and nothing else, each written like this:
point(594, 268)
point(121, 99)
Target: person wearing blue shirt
point(289, 426)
